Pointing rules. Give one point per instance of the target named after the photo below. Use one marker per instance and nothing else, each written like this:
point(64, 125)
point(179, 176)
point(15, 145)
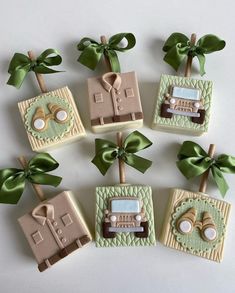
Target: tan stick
point(188, 67)
point(203, 184)
point(37, 188)
point(121, 163)
point(104, 41)
point(39, 76)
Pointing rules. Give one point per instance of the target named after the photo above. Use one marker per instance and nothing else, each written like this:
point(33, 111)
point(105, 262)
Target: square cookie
point(124, 216)
point(183, 105)
point(114, 102)
point(51, 119)
point(196, 223)
point(54, 229)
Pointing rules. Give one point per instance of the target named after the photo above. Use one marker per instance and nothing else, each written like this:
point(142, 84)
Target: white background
point(39, 25)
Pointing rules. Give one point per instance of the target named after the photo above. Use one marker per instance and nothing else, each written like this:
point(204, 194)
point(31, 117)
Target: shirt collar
point(43, 212)
point(116, 84)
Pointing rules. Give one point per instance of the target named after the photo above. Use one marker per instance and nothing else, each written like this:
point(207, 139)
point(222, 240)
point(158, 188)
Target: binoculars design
point(40, 119)
point(187, 222)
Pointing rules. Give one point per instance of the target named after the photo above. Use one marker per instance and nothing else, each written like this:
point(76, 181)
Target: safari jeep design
point(184, 101)
point(125, 214)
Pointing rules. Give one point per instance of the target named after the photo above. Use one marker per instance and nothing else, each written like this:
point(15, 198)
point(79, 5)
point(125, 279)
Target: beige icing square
point(77, 131)
point(113, 100)
point(168, 238)
point(53, 227)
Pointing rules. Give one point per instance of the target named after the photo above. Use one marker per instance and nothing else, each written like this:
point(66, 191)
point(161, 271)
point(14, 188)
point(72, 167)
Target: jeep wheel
point(199, 120)
point(145, 233)
point(164, 113)
point(106, 233)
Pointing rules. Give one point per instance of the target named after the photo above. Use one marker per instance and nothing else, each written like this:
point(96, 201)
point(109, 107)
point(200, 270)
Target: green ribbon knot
point(12, 180)
point(178, 47)
point(107, 152)
point(21, 64)
point(194, 161)
point(92, 51)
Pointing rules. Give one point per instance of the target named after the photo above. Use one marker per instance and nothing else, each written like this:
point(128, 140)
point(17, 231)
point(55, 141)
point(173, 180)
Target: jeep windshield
point(185, 93)
point(125, 206)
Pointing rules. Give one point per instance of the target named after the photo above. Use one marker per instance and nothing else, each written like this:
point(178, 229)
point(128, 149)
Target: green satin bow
point(21, 64)
point(12, 180)
point(178, 47)
point(194, 161)
point(107, 152)
point(92, 51)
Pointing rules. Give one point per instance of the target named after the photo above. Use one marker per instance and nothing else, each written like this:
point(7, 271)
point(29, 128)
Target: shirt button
point(59, 231)
point(120, 108)
point(118, 92)
point(119, 100)
point(55, 224)
point(63, 240)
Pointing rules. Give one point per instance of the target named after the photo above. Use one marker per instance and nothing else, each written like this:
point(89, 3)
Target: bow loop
point(178, 47)
point(107, 152)
point(12, 180)
point(21, 64)
point(92, 51)
point(194, 161)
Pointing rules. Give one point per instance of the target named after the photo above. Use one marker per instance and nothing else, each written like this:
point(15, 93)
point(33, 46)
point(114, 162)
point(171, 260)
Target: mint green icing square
point(179, 122)
point(124, 239)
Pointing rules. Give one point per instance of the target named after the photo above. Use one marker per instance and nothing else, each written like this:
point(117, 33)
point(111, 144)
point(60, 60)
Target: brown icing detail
point(189, 216)
point(116, 106)
point(164, 113)
point(106, 232)
point(63, 253)
point(200, 120)
point(39, 76)
point(145, 233)
point(120, 118)
point(61, 226)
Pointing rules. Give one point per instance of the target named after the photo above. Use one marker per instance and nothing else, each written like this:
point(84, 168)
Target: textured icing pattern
point(179, 121)
point(124, 239)
point(194, 241)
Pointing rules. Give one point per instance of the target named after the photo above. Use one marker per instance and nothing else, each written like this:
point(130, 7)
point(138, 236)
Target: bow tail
point(90, 57)
point(17, 77)
point(11, 189)
point(139, 163)
point(220, 181)
point(45, 179)
point(201, 58)
point(113, 59)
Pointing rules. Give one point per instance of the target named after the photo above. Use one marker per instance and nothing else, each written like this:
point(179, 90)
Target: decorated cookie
point(183, 104)
point(196, 222)
point(114, 99)
point(50, 119)
point(124, 212)
point(54, 228)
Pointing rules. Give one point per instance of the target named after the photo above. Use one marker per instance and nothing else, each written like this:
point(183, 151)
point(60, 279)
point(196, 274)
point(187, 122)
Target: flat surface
point(42, 24)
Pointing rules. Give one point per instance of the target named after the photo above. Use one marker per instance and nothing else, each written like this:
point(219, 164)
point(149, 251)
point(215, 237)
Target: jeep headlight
point(196, 104)
point(172, 101)
point(113, 218)
point(138, 218)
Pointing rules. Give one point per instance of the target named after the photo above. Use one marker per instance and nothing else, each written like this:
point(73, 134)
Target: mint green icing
point(54, 130)
point(193, 241)
point(124, 239)
point(179, 121)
